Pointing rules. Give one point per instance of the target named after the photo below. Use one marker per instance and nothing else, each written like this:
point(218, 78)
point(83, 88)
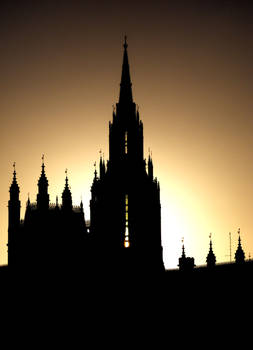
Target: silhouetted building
point(50, 234)
point(125, 210)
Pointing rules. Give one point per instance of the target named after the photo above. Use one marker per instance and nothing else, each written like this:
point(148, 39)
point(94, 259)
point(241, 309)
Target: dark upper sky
point(191, 68)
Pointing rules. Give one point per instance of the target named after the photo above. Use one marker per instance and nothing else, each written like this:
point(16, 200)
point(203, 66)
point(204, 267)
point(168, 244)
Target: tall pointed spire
point(125, 95)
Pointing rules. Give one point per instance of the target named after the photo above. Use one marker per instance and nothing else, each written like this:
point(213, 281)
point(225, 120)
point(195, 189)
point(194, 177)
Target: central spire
point(125, 95)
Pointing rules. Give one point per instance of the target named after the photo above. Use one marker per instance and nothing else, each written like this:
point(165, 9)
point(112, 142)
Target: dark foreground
point(169, 306)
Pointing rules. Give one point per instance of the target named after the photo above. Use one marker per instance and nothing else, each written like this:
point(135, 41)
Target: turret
point(101, 167)
point(150, 167)
point(185, 263)
point(239, 254)
point(66, 196)
point(43, 196)
point(210, 259)
point(14, 219)
point(14, 202)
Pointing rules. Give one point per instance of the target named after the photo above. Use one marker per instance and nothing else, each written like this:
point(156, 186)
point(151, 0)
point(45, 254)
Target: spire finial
point(239, 254)
point(66, 179)
point(125, 42)
point(239, 235)
point(125, 95)
point(183, 252)
point(43, 165)
point(14, 170)
point(95, 172)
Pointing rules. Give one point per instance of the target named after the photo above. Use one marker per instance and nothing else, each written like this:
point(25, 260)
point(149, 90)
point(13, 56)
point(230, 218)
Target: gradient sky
point(191, 69)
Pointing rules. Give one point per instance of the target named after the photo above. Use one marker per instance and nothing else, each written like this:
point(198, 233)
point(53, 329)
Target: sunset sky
point(191, 65)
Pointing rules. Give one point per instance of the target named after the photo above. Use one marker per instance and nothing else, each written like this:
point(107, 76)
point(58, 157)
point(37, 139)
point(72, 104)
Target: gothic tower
point(125, 198)
point(14, 219)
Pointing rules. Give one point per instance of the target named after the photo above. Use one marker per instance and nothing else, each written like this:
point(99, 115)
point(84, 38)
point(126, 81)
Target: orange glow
point(192, 79)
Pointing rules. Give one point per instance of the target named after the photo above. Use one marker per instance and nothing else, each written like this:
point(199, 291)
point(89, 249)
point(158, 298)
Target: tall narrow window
point(126, 146)
point(126, 241)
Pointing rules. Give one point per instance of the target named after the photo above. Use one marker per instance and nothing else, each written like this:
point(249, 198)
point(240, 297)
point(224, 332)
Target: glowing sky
point(191, 69)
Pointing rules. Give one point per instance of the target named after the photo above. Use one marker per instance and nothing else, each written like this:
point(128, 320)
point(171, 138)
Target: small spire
point(57, 204)
point(14, 168)
point(239, 254)
point(66, 179)
point(150, 165)
point(183, 251)
point(14, 180)
point(43, 178)
point(125, 42)
point(14, 188)
point(43, 164)
point(95, 172)
point(211, 258)
point(66, 195)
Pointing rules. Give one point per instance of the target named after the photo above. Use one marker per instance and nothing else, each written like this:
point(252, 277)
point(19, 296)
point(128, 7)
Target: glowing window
point(126, 142)
point(126, 240)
